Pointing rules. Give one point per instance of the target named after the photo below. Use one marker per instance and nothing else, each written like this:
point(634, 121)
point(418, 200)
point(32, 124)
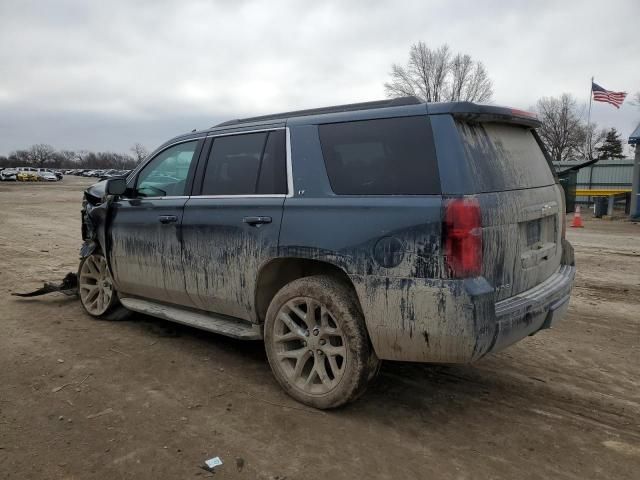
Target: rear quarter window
point(503, 157)
point(391, 156)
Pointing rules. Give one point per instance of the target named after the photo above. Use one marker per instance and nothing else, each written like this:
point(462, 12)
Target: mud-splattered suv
point(342, 236)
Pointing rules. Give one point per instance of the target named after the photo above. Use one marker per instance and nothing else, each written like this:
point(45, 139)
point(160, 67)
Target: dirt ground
point(141, 398)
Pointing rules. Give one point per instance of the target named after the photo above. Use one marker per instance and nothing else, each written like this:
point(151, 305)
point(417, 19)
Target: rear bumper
point(533, 310)
point(455, 321)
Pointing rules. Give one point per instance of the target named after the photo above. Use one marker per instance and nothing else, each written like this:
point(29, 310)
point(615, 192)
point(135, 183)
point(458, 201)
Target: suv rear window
point(503, 157)
point(390, 156)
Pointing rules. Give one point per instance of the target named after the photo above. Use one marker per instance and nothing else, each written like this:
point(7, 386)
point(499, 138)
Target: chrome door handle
point(165, 219)
point(253, 221)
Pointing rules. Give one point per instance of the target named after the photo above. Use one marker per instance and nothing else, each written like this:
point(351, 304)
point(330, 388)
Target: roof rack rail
point(394, 102)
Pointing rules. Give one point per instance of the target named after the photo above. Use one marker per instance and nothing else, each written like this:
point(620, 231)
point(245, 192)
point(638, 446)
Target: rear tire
point(317, 343)
point(95, 286)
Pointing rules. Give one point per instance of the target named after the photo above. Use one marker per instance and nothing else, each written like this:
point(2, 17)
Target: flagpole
point(589, 121)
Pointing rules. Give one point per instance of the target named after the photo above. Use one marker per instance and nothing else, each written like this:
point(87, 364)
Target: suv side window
point(272, 177)
point(166, 174)
point(389, 156)
point(246, 164)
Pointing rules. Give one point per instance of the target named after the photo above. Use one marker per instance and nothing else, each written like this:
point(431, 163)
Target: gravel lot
point(82, 398)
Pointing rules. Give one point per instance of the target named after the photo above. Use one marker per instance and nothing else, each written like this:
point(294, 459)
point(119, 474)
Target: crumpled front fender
point(95, 218)
point(88, 247)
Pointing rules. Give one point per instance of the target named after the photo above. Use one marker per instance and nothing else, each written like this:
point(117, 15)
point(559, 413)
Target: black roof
point(403, 106)
point(465, 110)
point(350, 107)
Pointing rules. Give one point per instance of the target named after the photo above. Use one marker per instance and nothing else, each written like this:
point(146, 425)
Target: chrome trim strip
point(289, 166)
point(266, 195)
point(243, 132)
point(178, 197)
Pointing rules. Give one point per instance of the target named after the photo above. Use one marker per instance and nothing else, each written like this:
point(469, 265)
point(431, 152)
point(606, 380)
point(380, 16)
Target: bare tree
point(591, 138)
point(41, 154)
point(80, 156)
point(469, 80)
point(19, 158)
point(562, 129)
point(435, 75)
point(139, 152)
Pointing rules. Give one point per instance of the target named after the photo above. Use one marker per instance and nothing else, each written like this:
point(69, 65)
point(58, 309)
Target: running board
point(210, 322)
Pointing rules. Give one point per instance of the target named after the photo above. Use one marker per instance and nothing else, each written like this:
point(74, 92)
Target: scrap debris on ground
point(68, 286)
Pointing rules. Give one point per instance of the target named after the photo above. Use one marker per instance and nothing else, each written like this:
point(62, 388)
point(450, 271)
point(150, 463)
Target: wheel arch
point(280, 271)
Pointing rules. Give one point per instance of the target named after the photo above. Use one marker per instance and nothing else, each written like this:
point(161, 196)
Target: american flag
point(602, 95)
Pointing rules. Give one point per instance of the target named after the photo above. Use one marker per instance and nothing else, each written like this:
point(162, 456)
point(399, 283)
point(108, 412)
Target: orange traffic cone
point(577, 219)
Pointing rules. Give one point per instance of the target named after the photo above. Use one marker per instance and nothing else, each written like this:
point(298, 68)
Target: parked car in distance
point(342, 236)
point(113, 173)
point(27, 176)
point(47, 176)
point(8, 175)
point(57, 174)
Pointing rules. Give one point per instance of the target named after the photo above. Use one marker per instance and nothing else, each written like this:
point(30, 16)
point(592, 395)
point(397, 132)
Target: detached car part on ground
point(391, 230)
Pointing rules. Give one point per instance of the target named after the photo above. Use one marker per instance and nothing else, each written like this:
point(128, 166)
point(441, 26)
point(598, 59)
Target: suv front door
point(232, 222)
point(145, 242)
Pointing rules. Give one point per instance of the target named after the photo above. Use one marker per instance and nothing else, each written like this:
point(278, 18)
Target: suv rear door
point(503, 165)
point(232, 221)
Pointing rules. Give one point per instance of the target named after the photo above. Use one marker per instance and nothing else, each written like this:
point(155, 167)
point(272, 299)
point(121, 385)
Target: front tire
point(317, 343)
point(95, 286)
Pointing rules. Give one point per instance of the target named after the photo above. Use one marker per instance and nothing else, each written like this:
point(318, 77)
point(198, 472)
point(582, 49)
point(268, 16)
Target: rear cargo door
point(504, 167)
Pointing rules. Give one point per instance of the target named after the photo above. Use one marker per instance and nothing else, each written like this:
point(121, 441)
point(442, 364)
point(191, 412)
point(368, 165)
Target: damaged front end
point(95, 207)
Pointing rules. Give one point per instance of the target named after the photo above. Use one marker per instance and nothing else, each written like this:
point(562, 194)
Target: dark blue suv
point(342, 236)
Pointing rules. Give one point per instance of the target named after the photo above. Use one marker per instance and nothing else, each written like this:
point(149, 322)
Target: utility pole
point(588, 149)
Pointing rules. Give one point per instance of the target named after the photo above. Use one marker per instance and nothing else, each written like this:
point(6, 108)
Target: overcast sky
point(103, 75)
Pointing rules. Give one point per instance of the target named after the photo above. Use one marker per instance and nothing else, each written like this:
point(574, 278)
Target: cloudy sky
point(102, 75)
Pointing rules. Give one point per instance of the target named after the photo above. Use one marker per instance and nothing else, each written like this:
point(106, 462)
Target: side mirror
point(116, 186)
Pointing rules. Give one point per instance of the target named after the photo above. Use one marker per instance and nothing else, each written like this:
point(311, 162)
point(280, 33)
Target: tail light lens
point(462, 241)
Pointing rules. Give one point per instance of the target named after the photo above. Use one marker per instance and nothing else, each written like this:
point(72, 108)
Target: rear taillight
point(462, 237)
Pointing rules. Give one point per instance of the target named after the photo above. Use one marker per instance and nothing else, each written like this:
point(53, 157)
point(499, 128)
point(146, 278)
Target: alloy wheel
point(310, 346)
point(95, 285)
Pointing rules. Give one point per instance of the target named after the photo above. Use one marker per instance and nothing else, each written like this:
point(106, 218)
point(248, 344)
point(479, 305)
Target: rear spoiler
point(472, 112)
